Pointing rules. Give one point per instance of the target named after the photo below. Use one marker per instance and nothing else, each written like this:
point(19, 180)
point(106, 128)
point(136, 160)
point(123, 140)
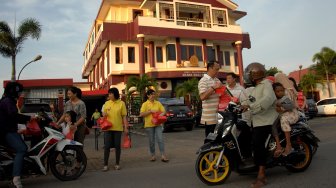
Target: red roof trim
point(44, 83)
point(95, 92)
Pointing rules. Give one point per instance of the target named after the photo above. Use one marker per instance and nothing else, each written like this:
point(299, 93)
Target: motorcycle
point(222, 153)
point(65, 158)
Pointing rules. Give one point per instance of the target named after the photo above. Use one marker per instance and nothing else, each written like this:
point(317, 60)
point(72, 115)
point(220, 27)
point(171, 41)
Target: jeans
point(15, 141)
point(155, 133)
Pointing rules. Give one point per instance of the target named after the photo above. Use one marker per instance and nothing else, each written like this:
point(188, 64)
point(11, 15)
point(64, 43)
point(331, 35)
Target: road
point(181, 145)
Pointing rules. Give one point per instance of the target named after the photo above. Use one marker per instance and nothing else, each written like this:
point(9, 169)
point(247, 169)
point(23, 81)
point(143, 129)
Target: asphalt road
point(181, 145)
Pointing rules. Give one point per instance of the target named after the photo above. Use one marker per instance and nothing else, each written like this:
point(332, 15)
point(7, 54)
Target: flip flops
point(278, 152)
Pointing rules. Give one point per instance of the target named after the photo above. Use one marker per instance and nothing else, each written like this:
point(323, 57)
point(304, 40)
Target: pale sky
point(283, 33)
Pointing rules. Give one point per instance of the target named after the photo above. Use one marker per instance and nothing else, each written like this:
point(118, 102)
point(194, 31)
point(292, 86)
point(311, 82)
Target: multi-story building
point(170, 40)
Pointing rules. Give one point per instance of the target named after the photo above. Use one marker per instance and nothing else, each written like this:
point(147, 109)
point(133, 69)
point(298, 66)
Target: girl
point(68, 127)
point(287, 115)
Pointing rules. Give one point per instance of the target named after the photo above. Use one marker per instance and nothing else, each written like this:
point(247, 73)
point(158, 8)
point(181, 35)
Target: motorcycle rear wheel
point(304, 164)
point(68, 164)
point(206, 171)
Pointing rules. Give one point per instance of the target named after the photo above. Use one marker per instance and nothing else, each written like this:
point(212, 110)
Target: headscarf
point(288, 85)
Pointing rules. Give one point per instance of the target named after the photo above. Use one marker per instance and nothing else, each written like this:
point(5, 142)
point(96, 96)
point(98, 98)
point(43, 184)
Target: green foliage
point(272, 71)
point(325, 63)
point(11, 45)
point(308, 82)
point(189, 88)
point(141, 84)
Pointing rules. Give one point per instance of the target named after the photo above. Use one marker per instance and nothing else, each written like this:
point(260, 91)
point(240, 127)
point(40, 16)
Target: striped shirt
point(210, 105)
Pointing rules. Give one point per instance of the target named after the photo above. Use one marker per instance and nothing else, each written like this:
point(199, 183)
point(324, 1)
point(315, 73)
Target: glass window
point(227, 58)
point(146, 55)
point(199, 53)
point(211, 54)
point(171, 52)
point(184, 53)
point(159, 58)
point(118, 55)
point(131, 55)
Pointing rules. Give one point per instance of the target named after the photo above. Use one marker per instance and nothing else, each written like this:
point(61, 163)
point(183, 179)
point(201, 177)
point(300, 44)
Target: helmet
point(13, 89)
point(253, 72)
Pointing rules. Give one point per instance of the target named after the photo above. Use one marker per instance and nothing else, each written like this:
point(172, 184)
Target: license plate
point(211, 136)
point(180, 115)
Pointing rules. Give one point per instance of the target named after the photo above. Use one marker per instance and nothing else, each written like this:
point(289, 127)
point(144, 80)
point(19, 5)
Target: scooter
point(222, 154)
point(65, 158)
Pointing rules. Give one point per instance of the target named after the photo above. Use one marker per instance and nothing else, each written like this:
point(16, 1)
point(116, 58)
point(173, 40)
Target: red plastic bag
point(127, 143)
point(104, 123)
point(33, 128)
point(220, 90)
point(158, 119)
point(70, 135)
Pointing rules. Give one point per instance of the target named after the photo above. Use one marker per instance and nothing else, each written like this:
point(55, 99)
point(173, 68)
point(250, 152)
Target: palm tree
point(11, 45)
point(325, 60)
point(140, 84)
point(308, 83)
point(189, 88)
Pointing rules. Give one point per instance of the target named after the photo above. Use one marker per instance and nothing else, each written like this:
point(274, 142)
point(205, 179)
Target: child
point(288, 115)
point(68, 127)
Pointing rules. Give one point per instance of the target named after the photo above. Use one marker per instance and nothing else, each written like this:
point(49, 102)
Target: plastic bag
point(127, 143)
point(158, 119)
point(33, 128)
point(104, 123)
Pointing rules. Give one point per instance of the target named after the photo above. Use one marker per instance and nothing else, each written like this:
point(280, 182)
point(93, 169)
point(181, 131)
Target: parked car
point(311, 109)
point(178, 115)
point(326, 106)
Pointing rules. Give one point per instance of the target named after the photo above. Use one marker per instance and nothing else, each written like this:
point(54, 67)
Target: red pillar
point(141, 43)
point(205, 52)
point(20, 101)
point(238, 45)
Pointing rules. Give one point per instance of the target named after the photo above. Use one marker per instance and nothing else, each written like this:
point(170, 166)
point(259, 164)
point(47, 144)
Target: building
point(170, 40)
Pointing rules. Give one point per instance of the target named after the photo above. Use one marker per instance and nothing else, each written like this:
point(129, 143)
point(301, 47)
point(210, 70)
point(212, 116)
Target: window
point(236, 58)
point(159, 58)
point(211, 54)
point(131, 55)
point(187, 51)
point(227, 58)
point(146, 55)
point(171, 52)
point(118, 55)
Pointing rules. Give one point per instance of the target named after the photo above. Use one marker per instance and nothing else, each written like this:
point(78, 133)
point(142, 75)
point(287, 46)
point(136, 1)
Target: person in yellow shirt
point(115, 111)
point(153, 131)
point(95, 116)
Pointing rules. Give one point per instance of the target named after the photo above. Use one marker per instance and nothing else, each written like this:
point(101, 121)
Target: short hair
point(211, 64)
point(115, 92)
point(277, 84)
point(76, 91)
point(232, 74)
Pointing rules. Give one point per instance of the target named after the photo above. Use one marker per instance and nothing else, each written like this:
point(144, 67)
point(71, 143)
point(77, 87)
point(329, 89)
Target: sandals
point(259, 182)
point(286, 153)
point(152, 159)
point(117, 167)
point(278, 152)
point(165, 160)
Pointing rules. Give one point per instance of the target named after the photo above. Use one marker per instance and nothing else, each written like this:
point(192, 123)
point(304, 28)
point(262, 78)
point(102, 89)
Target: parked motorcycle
point(222, 154)
point(65, 158)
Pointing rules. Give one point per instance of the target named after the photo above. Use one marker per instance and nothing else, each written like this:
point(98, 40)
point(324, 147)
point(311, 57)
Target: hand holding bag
point(158, 119)
point(104, 123)
point(127, 143)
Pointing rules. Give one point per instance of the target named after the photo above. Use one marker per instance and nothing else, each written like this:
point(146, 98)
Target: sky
point(283, 34)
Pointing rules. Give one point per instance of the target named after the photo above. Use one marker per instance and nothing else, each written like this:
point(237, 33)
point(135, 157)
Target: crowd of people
point(277, 104)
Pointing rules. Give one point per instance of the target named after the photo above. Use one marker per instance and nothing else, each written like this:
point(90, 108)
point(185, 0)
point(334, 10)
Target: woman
point(115, 111)
point(77, 105)
point(154, 131)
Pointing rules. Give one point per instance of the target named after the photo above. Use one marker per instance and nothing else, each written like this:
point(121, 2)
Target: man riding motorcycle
point(9, 119)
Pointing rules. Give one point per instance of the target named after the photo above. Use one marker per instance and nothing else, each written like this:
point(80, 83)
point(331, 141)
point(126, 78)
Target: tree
point(11, 45)
point(272, 71)
point(308, 83)
point(140, 84)
point(325, 60)
point(189, 88)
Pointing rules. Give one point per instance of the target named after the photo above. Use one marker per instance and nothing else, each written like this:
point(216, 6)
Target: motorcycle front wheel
point(68, 164)
point(207, 171)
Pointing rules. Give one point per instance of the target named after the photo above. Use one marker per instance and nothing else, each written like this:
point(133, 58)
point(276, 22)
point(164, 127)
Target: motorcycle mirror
point(251, 98)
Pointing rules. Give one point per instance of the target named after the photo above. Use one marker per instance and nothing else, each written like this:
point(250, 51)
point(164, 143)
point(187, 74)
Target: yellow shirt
point(147, 106)
point(115, 111)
